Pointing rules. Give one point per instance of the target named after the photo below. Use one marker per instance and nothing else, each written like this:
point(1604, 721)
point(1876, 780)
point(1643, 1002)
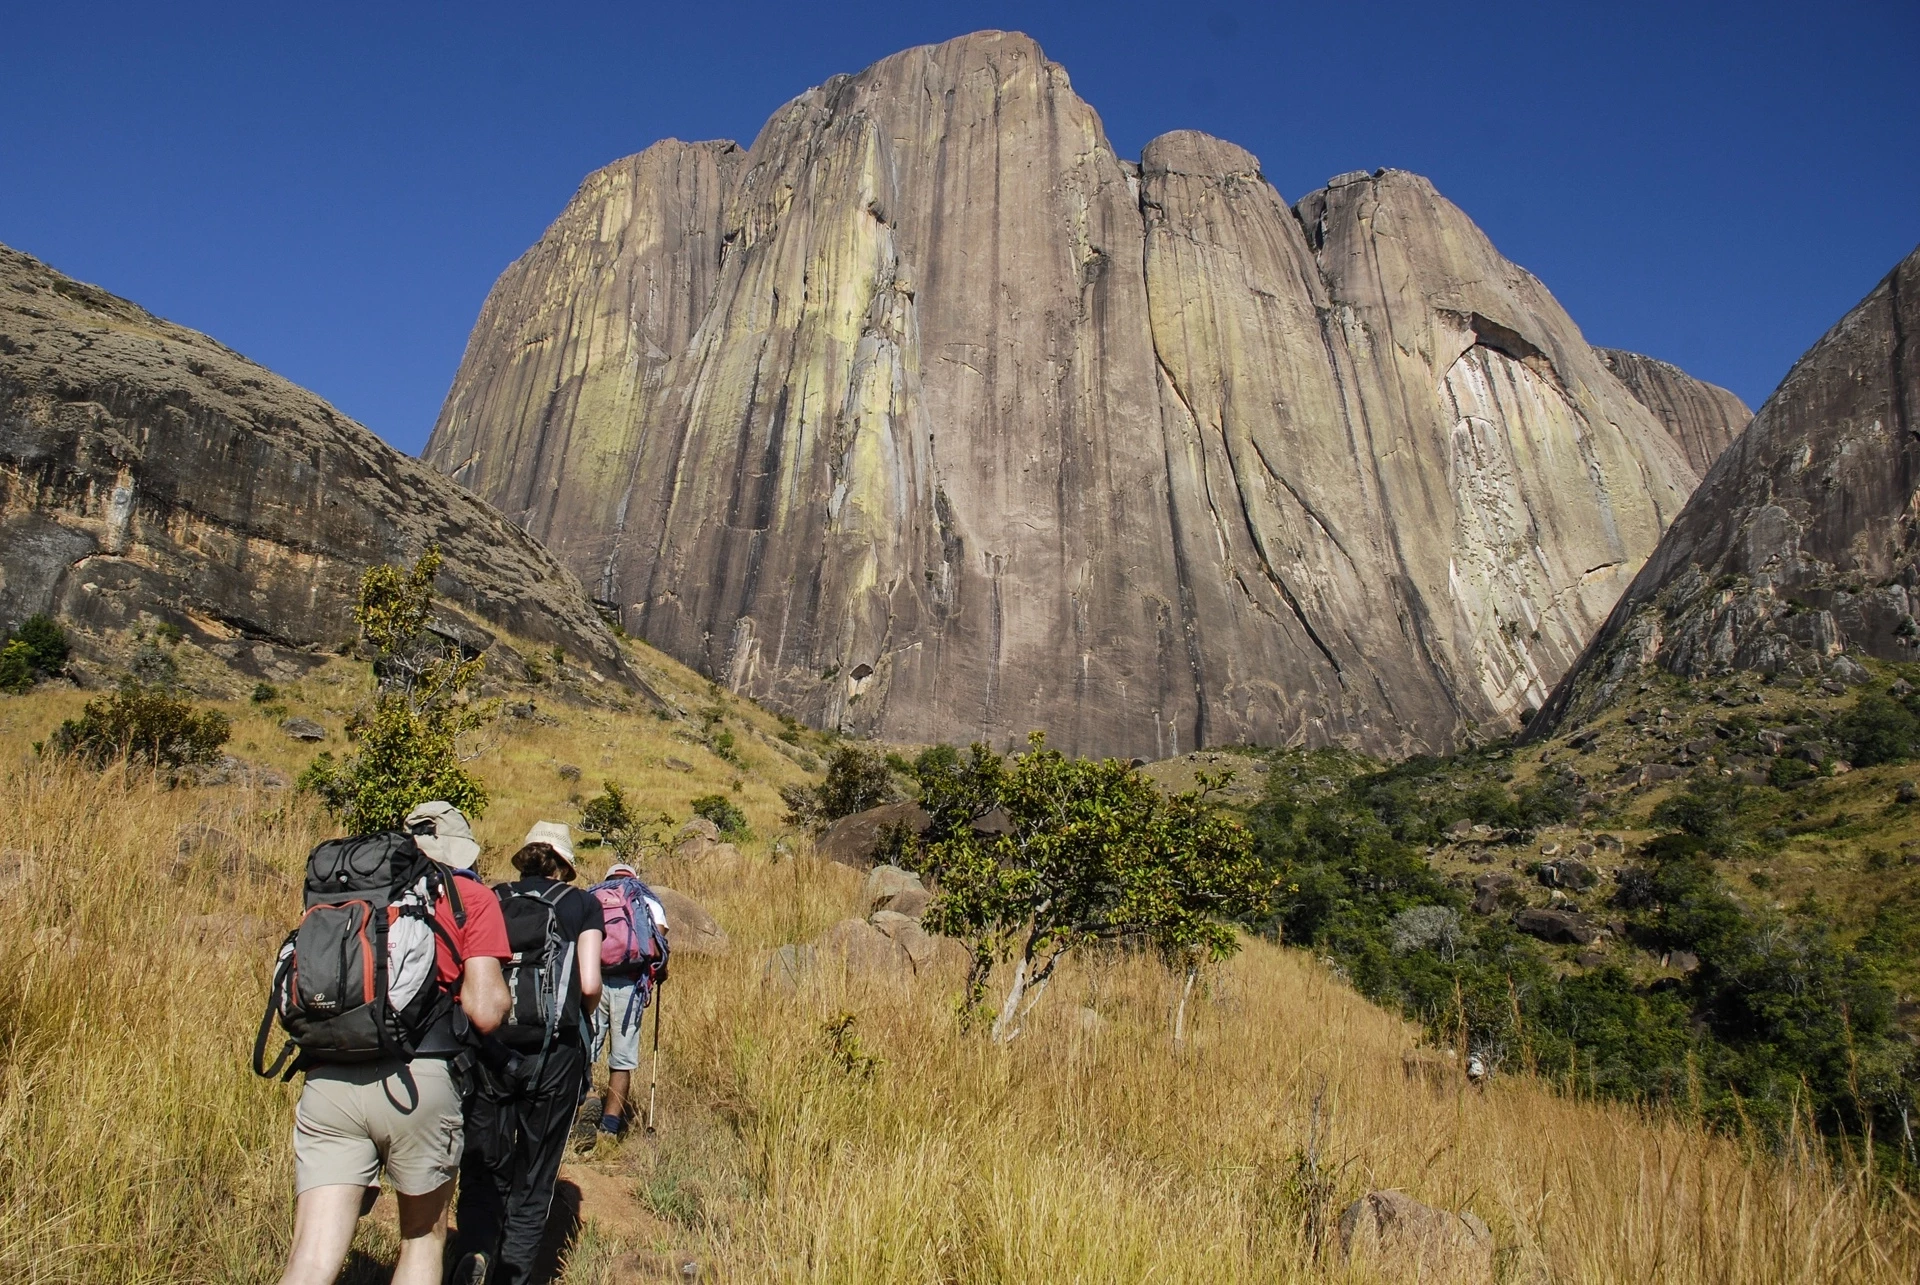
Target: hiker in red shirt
point(404, 1115)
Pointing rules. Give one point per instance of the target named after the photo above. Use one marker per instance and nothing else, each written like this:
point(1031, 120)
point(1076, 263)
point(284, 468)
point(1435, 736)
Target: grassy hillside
point(136, 924)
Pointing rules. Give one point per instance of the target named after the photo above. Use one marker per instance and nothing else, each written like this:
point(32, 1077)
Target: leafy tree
point(37, 649)
point(47, 648)
point(724, 813)
point(858, 777)
point(608, 816)
point(406, 750)
point(146, 725)
point(1878, 729)
point(1038, 855)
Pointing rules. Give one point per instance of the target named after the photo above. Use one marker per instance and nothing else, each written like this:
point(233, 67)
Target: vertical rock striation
point(572, 343)
point(972, 427)
point(1801, 548)
point(1704, 418)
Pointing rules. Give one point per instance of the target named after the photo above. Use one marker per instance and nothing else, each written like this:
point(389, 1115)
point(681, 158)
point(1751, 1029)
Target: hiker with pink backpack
point(633, 964)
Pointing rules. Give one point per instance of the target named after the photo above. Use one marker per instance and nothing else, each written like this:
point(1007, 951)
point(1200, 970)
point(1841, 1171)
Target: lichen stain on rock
point(929, 378)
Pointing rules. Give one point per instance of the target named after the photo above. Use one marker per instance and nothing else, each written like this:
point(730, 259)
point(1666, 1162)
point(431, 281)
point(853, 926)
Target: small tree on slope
point(1040, 854)
point(406, 742)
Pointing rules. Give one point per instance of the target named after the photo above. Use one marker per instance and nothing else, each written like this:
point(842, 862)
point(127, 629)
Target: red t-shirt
point(484, 934)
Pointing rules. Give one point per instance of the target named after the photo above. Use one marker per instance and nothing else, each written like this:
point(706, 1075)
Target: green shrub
point(405, 744)
point(1878, 729)
point(265, 693)
point(16, 666)
point(1786, 772)
point(724, 813)
point(37, 649)
point(146, 725)
point(858, 777)
point(46, 643)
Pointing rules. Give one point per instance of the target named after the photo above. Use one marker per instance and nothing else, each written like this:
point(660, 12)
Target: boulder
point(790, 965)
point(1575, 876)
point(855, 840)
point(907, 934)
point(911, 902)
point(1402, 1239)
point(690, 929)
point(885, 881)
point(891, 888)
point(865, 950)
point(699, 848)
point(1487, 889)
point(1560, 926)
point(1683, 960)
point(698, 827)
point(303, 729)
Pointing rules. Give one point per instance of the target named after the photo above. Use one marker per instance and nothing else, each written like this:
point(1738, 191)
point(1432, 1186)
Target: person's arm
point(483, 993)
point(588, 956)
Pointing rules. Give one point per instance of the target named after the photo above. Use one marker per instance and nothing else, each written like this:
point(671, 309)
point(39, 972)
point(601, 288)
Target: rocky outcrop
point(146, 469)
point(1798, 552)
point(1704, 418)
point(973, 427)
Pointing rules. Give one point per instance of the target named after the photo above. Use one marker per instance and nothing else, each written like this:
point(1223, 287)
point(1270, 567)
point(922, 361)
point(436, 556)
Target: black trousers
point(515, 1140)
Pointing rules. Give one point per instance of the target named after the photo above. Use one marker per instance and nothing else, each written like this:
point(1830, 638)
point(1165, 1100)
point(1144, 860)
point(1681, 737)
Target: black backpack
point(357, 980)
point(541, 972)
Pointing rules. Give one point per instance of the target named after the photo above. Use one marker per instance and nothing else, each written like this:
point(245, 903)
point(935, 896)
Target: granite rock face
point(1798, 552)
point(145, 468)
point(973, 427)
point(1704, 418)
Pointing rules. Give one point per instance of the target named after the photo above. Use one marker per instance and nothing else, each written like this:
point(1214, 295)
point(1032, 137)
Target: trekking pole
point(653, 1085)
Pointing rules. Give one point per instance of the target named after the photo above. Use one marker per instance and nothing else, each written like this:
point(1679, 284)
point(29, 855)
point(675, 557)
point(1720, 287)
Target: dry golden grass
point(135, 1145)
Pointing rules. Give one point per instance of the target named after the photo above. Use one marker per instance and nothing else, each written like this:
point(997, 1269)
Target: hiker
point(383, 1070)
point(533, 1073)
point(633, 962)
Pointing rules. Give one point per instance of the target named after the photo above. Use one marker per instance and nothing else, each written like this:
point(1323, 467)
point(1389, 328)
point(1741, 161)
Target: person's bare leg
point(617, 1084)
point(423, 1236)
point(323, 1222)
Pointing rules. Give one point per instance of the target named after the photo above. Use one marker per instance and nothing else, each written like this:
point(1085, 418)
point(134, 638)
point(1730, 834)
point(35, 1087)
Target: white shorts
point(617, 1021)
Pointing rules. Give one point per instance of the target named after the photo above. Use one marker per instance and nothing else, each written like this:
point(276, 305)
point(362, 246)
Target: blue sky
point(331, 189)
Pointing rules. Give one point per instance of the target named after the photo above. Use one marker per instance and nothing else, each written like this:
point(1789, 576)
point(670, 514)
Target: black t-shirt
point(577, 911)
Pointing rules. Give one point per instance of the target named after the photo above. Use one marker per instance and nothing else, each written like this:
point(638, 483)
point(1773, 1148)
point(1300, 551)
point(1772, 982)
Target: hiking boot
point(471, 1270)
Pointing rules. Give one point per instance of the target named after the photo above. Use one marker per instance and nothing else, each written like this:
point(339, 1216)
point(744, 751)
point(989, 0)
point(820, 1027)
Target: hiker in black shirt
point(534, 1073)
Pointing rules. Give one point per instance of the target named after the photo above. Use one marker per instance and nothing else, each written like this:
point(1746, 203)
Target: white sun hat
point(556, 836)
point(441, 831)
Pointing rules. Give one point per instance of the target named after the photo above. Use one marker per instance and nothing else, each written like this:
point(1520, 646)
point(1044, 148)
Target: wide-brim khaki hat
point(557, 836)
point(441, 831)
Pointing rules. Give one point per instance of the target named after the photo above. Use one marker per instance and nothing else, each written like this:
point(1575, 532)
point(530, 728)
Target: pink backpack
point(635, 944)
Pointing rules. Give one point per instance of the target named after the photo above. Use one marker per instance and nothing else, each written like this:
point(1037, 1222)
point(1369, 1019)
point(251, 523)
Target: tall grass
point(135, 1145)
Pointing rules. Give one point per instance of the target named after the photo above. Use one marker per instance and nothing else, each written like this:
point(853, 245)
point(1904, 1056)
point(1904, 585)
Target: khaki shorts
point(618, 1019)
point(351, 1120)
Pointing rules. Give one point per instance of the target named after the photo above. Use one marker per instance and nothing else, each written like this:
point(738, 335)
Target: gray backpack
point(356, 981)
